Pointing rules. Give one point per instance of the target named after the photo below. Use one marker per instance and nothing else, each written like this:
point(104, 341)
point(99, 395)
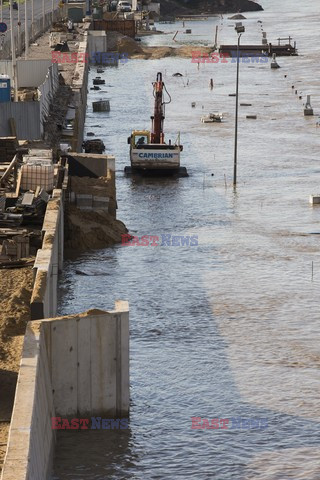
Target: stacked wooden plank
point(15, 248)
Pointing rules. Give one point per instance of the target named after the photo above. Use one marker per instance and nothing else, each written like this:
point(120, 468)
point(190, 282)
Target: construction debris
point(8, 147)
point(101, 106)
point(98, 81)
point(24, 183)
point(212, 118)
point(93, 146)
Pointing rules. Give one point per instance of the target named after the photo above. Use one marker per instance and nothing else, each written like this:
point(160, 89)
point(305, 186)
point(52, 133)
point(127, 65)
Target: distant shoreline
point(202, 8)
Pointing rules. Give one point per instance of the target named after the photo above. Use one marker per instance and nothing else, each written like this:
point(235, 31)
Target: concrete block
point(314, 199)
point(76, 365)
point(100, 203)
point(30, 447)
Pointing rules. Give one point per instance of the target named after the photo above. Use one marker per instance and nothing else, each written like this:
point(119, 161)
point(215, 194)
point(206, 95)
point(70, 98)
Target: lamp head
point(239, 28)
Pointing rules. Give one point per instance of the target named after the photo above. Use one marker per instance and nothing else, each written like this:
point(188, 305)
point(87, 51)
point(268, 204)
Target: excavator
point(149, 154)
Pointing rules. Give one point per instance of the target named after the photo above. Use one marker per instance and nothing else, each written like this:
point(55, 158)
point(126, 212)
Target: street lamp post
point(43, 16)
point(13, 54)
point(88, 8)
point(240, 30)
point(19, 30)
point(32, 20)
point(26, 30)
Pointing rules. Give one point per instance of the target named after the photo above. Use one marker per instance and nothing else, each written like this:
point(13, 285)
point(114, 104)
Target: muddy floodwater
point(229, 327)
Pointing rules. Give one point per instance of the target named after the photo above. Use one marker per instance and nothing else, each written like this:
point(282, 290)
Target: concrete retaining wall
point(71, 366)
point(89, 196)
point(97, 42)
point(49, 260)
point(31, 439)
point(47, 91)
point(90, 164)
point(89, 363)
point(79, 96)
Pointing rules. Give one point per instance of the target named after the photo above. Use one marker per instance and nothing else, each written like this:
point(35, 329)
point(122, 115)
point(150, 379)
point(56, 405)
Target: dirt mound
point(162, 52)
point(171, 8)
point(15, 292)
point(133, 49)
point(123, 44)
point(185, 51)
point(159, 52)
point(129, 46)
point(87, 230)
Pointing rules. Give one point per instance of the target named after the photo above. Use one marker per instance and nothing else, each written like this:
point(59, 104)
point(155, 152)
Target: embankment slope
point(197, 7)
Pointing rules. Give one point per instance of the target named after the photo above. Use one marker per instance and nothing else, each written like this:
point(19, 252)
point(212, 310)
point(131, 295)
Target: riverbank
point(170, 8)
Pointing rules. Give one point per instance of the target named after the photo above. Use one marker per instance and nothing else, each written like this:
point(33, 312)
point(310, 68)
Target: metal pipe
point(236, 119)
point(1, 10)
point(52, 7)
point(32, 19)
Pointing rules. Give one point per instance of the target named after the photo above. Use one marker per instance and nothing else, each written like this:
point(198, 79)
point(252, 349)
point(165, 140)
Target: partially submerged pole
point(216, 38)
point(308, 110)
point(274, 63)
point(239, 29)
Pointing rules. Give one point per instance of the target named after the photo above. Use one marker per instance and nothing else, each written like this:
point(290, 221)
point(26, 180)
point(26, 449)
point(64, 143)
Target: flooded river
point(229, 327)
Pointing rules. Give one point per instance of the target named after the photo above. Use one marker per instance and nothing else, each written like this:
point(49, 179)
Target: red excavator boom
point(157, 135)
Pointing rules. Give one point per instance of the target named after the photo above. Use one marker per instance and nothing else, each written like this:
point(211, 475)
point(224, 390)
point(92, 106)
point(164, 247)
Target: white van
point(124, 6)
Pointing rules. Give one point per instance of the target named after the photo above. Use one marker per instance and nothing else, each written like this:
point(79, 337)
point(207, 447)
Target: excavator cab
point(139, 138)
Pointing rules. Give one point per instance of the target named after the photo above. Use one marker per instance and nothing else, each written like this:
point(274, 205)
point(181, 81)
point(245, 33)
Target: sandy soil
point(91, 230)
point(15, 294)
point(134, 50)
point(99, 187)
